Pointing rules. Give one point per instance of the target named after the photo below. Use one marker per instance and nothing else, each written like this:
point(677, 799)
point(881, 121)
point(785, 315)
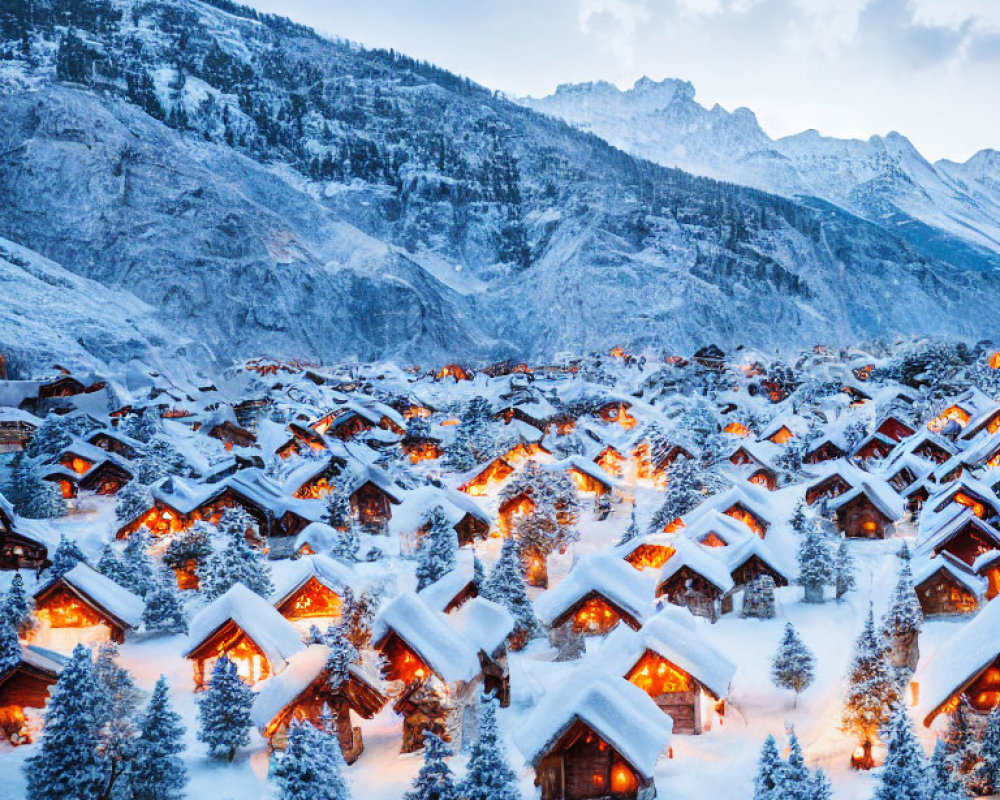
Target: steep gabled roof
point(604, 574)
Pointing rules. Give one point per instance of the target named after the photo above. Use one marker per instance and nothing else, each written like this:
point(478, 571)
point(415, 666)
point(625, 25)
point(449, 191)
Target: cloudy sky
point(927, 68)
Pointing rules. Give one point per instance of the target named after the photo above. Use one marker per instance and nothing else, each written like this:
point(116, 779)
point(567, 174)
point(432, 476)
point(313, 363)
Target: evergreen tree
point(237, 522)
point(31, 496)
point(132, 500)
point(632, 531)
point(458, 455)
point(797, 775)
point(871, 685)
point(10, 646)
point(158, 772)
point(478, 573)
point(843, 570)
point(488, 775)
point(903, 622)
point(800, 522)
point(345, 548)
point(816, 567)
point(506, 586)
point(164, 610)
point(66, 556)
point(67, 765)
point(902, 776)
point(687, 488)
point(988, 772)
point(819, 787)
point(793, 666)
point(941, 783)
point(15, 606)
point(438, 551)
point(962, 745)
point(357, 614)
point(137, 568)
point(110, 566)
point(192, 547)
point(236, 562)
point(311, 766)
point(338, 510)
point(769, 783)
point(342, 655)
point(435, 780)
point(224, 710)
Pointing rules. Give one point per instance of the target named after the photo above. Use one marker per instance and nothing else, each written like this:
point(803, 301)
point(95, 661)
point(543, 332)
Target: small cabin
point(697, 581)
point(18, 550)
point(313, 592)
point(232, 435)
point(754, 522)
point(26, 685)
point(833, 485)
point(113, 442)
point(945, 588)
point(83, 607)
point(965, 537)
point(302, 692)
point(826, 450)
point(864, 514)
point(245, 628)
point(107, 478)
point(894, 428)
point(595, 736)
point(372, 505)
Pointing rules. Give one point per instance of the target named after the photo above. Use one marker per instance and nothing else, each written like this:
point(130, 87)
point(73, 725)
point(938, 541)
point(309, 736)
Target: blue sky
point(927, 68)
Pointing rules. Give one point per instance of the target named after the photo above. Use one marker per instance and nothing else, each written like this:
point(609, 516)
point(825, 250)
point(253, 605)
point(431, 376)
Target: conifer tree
point(435, 780)
point(16, 606)
point(819, 787)
point(342, 654)
point(478, 573)
point(871, 685)
point(988, 771)
point(357, 613)
point(338, 510)
point(192, 547)
point(136, 566)
point(311, 766)
point(66, 556)
point(816, 567)
point(962, 745)
point(941, 782)
point(31, 496)
point(769, 783)
point(346, 546)
point(506, 586)
point(632, 531)
point(797, 774)
point(110, 566)
point(164, 610)
point(488, 775)
point(438, 551)
point(67, 765)
point(793, 666)
point(903, 623)
point(237, 522)
point(843, 570)
point(224, 711)
point(687, 488)
point(158, 772)
point(458, 455)
point(799, 522)
point(119, 703)
point(132, 500)
point(236, 562)
point(10, 646)
point(902, 776)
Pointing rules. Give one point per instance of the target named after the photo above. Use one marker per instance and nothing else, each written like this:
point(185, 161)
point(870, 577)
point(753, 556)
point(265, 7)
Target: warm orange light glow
point(994, 425)
point(869, 525)
point(711, 540)
point(623, 780)
point(447, 423)
point(453, 371)
point(656, 676)
point(977, 508)
point(413, 412)
point(619, 413)
point(187, 575)
point(995, 360)
point(68, 612)
point(611, 461)
point(748, 519)
point(650, 555)
point(595, 616)
point(617, 352)
point(314, 490)
point(781, 436)
point(737, 429)
point(673, 527)
point(953, 414)
point(313, 599)
point(423, 451)
point(67, 489)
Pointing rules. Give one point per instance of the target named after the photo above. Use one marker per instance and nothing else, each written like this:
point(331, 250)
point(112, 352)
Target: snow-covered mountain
point(268, 191)
point(884, 179)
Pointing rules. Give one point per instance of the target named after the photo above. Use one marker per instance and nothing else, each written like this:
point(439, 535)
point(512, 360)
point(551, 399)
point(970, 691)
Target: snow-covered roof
point(604, 574)
point(728, 529)
point(923, 568)
point(483, 623)
point(958, 660)
point(439, 595)
point(620, 713)
point(672, 634)
point(778, 559)
point(115, 600)
point(699, 559)
point(333, 574)
point(277, 638)
point(428, 633)
point(943, 526)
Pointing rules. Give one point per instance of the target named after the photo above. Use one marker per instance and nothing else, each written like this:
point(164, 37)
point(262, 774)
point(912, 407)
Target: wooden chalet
point(372, 497)
point(946, 586)
point(356, 418)
point(892, 427)
point(824, 450)
point(962, 535)
point(248, 630)
point(83, 607)
point(868, 511)
point(232, 435)
point(752, 558)
point(684, 674)
point(313, 592)
point(16, 429)
point(302, 692)
point(17, 549)
point(26, 685)
point(421, 447)
point(696, 580)
point(111, 441)
point(596, 736)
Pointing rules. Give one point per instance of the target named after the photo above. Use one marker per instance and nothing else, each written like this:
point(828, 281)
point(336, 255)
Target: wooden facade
point(695, 592)
point(941, 594)
point(675, 691)
point(860, 518)
point(372, 506)
point(229, 640)
point(827, 451)
point(25, 685)
point(753, 568)
point(580, 765)
point(594, 614)
point(18, 551)
point(969, 542)
point(106, 478)
point(63, 607)
point(311, 603)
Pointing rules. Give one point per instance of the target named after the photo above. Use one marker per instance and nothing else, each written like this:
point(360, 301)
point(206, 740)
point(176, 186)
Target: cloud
point(890, 29)
point(614, 23)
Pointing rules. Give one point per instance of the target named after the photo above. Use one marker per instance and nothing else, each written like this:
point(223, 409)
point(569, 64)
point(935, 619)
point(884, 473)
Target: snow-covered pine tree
point(488, 775)
point(458, 455)
point(478, 573)
point(770, 783)
point(843, 570)
point(16, 606)
point(941, 783)
point(136, 565)
point(797, 774)
point(506, 586)
point(902, 776)
point(871, 685)
point(164, 611)
point(816, 568)
point(110, 566)
point(67, 765)
point(10, 646)
point(132, 500)
point(903, 623)
point(342, 654)
point(687, 488)
point(158, 772)
point(435, 780)
point(632, 531)
point(237, 521)
point(236, 562)
point(338, 510)
point(988, 771)
point(437, 554)
point(357, 613)
point(224, 711)
point(311, 766)
point(962, 745)
point(800, 522)
point(33, 497)
point(67, 555)
point(819, 787)
point(192, 548)
point(347, 544)
point(142, 427)
point(478, 422)
point(793, 666)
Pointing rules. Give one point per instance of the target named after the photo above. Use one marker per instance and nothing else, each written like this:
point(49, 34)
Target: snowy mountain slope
point(392, 209)
point(48, 314)
point(884, 179)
